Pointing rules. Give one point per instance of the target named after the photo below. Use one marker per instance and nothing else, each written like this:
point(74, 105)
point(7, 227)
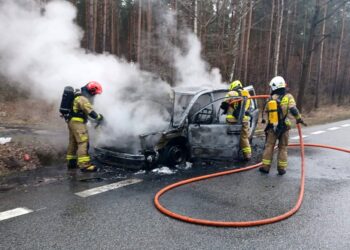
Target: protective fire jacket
point(82, 108)
point(235, 107)
point(287, 104)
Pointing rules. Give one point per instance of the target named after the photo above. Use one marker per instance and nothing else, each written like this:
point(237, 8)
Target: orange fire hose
point(252, 223)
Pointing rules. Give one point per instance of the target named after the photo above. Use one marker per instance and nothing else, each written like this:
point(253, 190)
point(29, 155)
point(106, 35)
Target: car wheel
point(175, 154)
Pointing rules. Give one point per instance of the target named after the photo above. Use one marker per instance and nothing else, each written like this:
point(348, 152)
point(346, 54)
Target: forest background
point(305, 41)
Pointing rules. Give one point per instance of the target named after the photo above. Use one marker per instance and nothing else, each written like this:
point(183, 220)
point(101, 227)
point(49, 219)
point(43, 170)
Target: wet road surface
point(123, 216)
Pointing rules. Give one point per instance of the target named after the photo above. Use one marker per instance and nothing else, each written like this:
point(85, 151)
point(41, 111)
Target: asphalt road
point(125, 217)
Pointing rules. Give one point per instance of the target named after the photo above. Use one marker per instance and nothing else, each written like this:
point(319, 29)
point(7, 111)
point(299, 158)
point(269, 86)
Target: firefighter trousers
point(78, 144)
point(244, 140)
point(282, 157)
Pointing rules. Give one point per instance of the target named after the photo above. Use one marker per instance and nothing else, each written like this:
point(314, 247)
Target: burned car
point(197, 130)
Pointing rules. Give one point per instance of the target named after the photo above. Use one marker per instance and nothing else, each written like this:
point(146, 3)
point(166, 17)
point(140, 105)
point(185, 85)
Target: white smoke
point(41, 52)
point(192, 70)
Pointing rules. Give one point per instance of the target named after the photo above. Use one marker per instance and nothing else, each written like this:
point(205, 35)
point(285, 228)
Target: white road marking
point(318, 132)
point(14, 213)
point(345, 125)
point(105, 188)
point(297, 137)
point(333, 128)
point(40, 209)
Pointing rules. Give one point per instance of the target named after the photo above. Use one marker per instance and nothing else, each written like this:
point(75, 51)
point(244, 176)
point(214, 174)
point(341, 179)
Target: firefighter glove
point(99, 118)
point(224, 107)
point(299, 120)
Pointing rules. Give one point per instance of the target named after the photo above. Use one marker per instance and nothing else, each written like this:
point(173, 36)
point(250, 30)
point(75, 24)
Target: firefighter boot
point(264, 169)
point(247, 157)
point(281, 171)
point(91, 168)
point(72, 164)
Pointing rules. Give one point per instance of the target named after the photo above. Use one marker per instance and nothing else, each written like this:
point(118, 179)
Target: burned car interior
point(197, 130)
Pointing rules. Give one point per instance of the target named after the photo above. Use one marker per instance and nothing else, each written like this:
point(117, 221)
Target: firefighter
point(279, 106)
point(232, 110)
point(77, 152)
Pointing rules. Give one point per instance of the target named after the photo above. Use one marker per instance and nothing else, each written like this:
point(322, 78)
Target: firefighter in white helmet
point(279, 106)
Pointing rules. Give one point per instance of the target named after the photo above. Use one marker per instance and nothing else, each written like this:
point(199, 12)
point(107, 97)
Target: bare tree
point(139, 22)
point(320, 63)
point(248, 40)
point(307, 59)
point(195, 19)
point(149, 30)
point(113, 28)
point(336, 88)
point(278, 36)
point(243, 40)
point(91, 26)
point(104, 34)
point(315, 21)
point(270, 40)
point(286, 43)
point(237, 32)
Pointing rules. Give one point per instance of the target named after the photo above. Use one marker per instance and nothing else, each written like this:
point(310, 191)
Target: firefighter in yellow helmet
point(232, 109)
point(279, 106)
point(77, 152)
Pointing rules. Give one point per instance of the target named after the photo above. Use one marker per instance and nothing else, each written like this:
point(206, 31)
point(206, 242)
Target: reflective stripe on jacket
point(235, 106)
point(286, 104)
point(81, 109)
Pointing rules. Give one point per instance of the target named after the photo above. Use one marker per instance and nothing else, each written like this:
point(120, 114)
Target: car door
point(210, 139)
point(253, 111)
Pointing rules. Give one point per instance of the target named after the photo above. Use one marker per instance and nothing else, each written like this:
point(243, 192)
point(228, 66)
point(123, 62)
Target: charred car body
point(197, 130)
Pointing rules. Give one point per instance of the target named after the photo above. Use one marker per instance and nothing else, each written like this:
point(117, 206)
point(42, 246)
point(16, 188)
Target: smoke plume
point(192, 70)
point(40, 52)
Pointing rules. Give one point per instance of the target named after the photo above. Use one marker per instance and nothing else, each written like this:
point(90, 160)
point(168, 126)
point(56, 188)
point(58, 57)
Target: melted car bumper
point(120, 159)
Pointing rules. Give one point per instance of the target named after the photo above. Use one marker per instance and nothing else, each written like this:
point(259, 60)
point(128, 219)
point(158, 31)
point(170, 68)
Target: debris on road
point(26, 157)
point(14, 157)
point(29, 155)
point(4, 140)
point(163, 170)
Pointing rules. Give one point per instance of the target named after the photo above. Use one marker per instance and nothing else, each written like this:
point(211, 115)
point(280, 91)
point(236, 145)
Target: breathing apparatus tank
point(67, 102)
point(273, 112)
point(245, 93)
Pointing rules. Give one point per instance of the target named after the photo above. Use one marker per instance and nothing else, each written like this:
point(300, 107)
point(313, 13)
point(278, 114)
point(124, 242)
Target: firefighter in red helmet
point(77, 152)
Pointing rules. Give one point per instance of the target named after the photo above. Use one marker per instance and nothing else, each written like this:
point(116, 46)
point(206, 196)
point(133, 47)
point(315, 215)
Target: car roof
point(194, 90)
